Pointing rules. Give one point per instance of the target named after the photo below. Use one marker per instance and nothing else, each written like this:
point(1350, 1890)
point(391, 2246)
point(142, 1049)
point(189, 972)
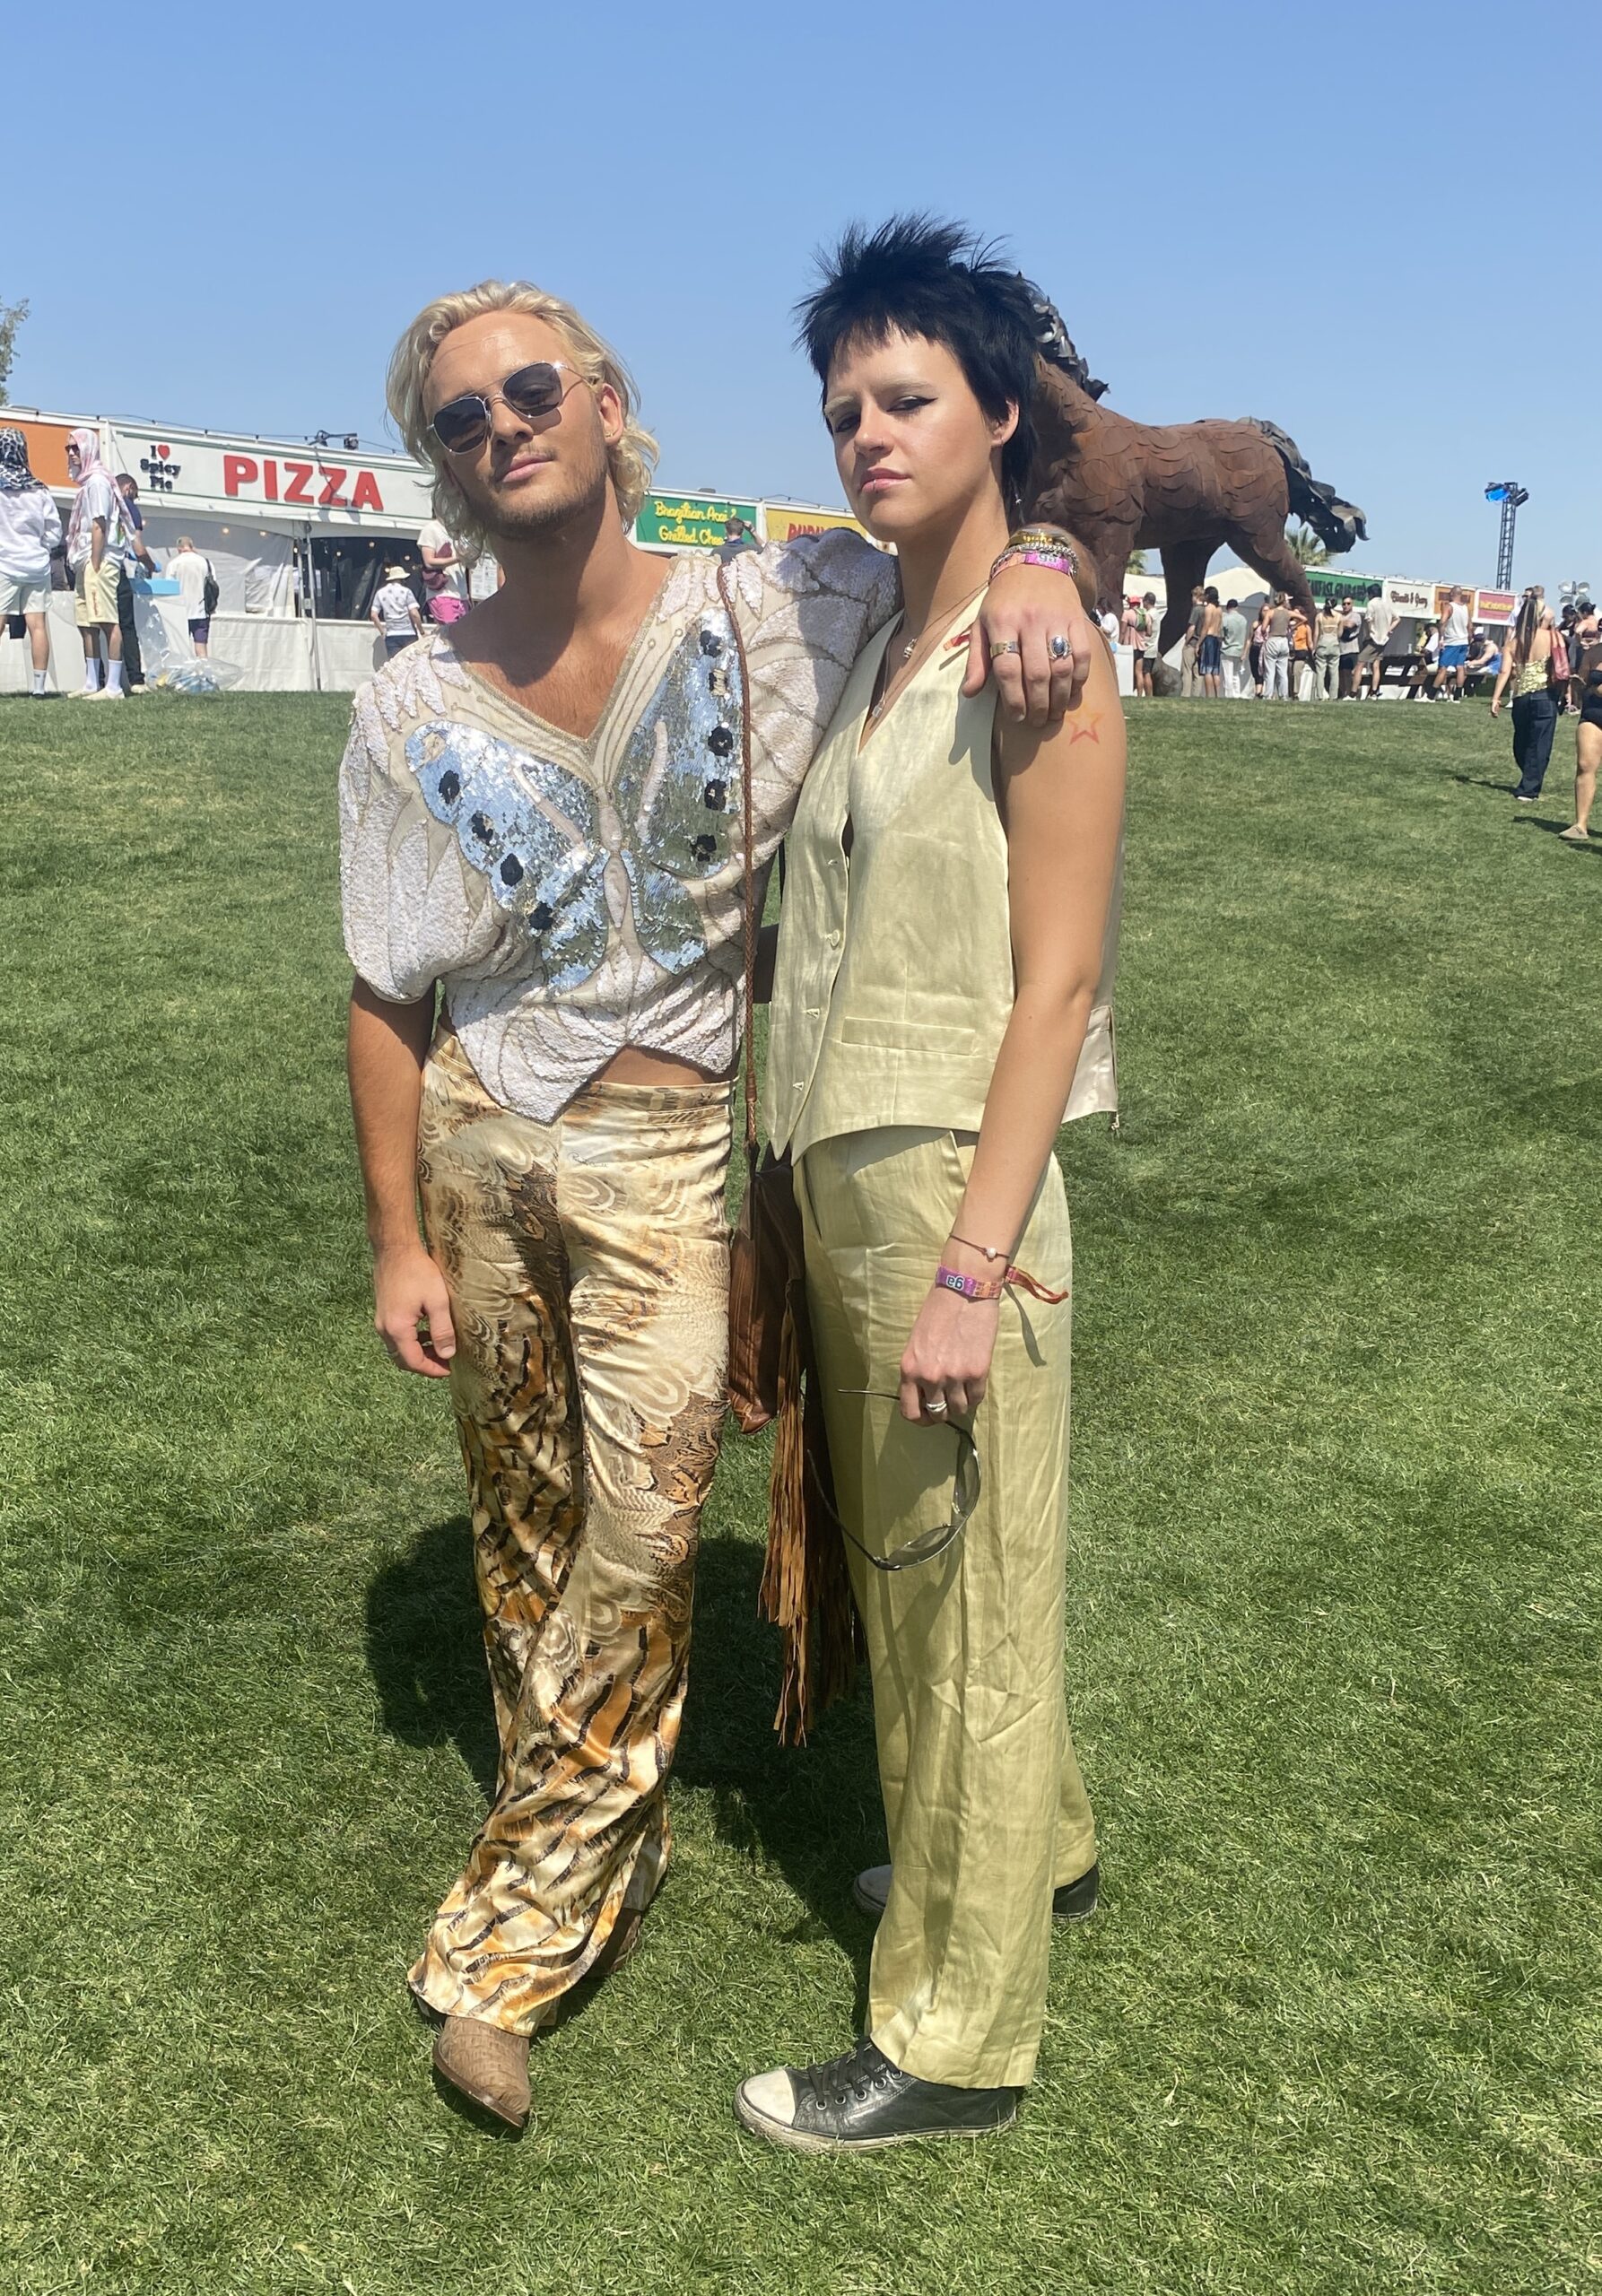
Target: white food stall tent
point(290, 527)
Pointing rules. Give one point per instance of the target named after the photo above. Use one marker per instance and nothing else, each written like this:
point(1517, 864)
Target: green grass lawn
point(1334, 1601)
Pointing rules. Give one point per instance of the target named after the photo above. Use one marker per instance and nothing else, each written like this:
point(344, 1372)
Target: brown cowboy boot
point(487, 2064)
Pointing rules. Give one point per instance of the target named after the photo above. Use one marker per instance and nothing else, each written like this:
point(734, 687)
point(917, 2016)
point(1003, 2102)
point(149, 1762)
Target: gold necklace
point(877, 709)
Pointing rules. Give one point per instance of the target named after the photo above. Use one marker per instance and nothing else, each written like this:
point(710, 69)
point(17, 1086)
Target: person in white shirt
point(1379, 620)
point(30, 530)
point(444, 574)
point(191, 569)
point(1233, 633)
point(395, 612)
point(94, 537)
point(1453, 628)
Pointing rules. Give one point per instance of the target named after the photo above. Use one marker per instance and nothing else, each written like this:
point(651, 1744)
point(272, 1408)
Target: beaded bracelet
point(1040, 537)
point(1058, 556)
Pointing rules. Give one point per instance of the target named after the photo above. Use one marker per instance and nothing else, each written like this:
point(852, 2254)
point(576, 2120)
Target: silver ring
point(938, 1409)
point(1058, 647)
point(1006, 646)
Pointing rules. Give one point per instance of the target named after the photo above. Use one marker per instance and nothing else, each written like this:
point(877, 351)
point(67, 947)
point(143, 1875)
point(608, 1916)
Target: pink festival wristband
point(981, 1287)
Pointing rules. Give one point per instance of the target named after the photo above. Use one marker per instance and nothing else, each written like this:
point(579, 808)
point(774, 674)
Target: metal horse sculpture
point(1185, 489)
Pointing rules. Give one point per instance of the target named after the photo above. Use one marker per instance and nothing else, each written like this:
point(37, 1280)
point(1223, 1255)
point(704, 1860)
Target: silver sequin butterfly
point(533, 829)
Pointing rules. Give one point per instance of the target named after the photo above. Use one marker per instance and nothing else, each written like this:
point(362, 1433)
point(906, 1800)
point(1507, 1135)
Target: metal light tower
point(1509, 494)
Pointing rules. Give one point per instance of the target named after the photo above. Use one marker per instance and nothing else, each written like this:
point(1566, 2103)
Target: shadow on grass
point(425, 1650)
point(1592, 845)
point(812, 1811)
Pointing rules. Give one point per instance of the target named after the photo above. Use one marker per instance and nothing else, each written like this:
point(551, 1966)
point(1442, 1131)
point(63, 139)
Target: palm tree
point(1305, 547)
point(1137, 562)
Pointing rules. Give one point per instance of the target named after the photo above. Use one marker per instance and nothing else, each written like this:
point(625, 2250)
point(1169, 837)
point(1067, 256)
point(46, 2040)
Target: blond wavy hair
point(631, 457)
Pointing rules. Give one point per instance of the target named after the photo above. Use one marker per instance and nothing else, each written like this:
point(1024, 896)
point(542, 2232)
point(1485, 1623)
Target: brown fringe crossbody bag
point(772, 1373)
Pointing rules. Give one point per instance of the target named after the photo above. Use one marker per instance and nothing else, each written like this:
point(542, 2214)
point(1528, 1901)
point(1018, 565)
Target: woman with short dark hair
point(942, 1000)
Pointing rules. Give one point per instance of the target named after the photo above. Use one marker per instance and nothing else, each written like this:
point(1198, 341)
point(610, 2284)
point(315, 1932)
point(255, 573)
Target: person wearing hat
point(395, 612)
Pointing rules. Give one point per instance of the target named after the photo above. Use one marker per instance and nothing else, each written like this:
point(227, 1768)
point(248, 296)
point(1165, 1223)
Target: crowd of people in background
point(1340, 652)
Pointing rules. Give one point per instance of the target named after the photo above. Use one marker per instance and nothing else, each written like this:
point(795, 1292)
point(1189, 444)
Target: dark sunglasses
point(964, 1498)
point(463, 423)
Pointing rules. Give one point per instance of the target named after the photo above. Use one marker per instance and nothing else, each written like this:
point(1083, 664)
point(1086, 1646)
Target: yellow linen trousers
point(985, 1809)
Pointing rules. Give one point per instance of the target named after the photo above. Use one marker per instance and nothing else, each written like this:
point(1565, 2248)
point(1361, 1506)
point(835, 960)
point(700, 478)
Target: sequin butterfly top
point(574, 896)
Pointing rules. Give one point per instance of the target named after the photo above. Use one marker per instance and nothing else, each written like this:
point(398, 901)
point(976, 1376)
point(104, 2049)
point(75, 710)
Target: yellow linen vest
point(894, 983)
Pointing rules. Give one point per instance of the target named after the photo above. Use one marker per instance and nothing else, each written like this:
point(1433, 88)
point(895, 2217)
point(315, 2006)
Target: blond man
point(541, 863)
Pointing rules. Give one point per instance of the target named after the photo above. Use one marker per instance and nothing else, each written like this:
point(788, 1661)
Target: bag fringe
point(806, 1586)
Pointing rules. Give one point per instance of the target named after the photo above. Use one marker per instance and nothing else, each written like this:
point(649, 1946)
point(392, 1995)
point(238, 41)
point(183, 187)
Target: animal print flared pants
point(586, 1261)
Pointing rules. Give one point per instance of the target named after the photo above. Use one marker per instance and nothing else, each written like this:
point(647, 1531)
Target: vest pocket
point(893, 1034)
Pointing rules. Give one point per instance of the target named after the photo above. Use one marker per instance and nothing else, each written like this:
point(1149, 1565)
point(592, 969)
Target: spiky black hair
point(916, 275)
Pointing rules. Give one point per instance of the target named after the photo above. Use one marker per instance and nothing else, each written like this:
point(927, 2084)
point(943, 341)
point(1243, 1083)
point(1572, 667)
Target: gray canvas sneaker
point(860, 2103)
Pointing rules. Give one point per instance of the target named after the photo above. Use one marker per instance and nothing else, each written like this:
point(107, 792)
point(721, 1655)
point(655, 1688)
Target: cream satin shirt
point(573, 897)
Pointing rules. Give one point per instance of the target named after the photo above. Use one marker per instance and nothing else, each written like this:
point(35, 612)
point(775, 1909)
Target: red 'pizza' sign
point(268, 478)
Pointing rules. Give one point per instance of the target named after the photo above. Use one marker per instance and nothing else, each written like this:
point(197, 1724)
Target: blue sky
point(1335, 218)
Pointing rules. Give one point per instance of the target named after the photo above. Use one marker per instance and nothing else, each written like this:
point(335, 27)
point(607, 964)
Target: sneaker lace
point(858, 2074)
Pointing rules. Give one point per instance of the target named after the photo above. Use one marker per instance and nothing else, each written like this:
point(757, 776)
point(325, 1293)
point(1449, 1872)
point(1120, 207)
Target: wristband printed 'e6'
point(970, 1287)
point(982, 1287)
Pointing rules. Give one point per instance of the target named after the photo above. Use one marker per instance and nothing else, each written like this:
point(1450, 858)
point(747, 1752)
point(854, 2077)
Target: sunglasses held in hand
point(463, 423)
point(925, 1546)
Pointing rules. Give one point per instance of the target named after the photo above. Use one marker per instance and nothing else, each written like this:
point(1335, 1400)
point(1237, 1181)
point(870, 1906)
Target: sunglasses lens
point(534, 390)
point(462, 422)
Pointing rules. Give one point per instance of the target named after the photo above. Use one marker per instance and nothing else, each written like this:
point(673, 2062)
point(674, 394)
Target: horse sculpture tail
point(1339, 526)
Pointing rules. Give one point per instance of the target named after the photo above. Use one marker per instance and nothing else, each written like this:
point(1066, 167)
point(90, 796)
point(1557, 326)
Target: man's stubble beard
point(547, 513)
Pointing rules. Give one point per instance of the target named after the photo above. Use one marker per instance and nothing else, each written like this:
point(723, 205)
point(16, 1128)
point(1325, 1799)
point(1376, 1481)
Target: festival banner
point(789, 521)
point(689, 521)
point(1494, 606)
point(1445, 593)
